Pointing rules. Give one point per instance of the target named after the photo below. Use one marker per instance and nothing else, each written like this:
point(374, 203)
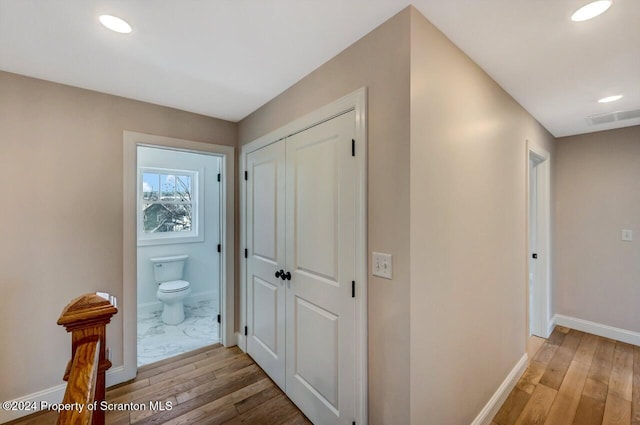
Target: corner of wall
point(467, 231)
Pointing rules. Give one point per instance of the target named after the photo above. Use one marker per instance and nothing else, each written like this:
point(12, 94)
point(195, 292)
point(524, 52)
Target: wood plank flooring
point(576, 378)
point(212, 385)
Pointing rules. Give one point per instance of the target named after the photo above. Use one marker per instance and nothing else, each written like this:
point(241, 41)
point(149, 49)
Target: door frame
point(355, 101)
point(131, 140)
point(541, 296)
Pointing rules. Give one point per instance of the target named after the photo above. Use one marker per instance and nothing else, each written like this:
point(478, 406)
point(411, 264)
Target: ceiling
point(226, 58)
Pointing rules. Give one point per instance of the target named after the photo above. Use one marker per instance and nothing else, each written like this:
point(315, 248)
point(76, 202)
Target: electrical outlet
point(627, 235)
point(382, 265)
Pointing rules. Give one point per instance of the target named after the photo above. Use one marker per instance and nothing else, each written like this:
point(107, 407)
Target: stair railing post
point(87, 317)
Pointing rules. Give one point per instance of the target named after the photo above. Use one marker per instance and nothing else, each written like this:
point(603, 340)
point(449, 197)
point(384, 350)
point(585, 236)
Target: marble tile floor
point(157, 341)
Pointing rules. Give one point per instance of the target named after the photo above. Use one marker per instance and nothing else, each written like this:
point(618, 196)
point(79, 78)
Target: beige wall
point(446, 197)
point(458, 295)
point(468, 230)
point(61, 223)
point(379, 61)
point(597, 276)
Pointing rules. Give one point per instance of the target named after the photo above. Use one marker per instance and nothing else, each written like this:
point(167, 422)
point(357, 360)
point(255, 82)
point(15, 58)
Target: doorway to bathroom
point(130, 220)
point(178, 213)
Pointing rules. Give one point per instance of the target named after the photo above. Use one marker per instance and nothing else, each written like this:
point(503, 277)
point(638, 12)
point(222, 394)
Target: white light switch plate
point(382, 265)
point(627, 235)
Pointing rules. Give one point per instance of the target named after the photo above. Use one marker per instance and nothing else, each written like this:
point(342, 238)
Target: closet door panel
point(315, 210)
point(320, 254)
point(266, 249)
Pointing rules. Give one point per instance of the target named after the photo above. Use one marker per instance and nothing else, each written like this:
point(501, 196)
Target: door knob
point(287, 276)
point(279, 273)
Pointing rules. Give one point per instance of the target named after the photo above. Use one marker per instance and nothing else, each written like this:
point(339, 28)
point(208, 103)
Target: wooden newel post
point(86, 317)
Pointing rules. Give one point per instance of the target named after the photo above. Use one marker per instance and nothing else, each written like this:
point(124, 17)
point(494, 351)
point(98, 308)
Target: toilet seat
point(173, 286)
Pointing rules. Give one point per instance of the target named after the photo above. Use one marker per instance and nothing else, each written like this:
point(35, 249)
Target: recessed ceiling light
point(591, 10)
point(610, 98)
point(115, 24)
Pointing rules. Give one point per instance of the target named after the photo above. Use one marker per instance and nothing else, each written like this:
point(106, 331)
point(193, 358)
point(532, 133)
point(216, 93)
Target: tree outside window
point(167, 201)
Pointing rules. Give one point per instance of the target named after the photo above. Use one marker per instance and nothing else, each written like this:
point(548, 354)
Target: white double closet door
point(301, 216)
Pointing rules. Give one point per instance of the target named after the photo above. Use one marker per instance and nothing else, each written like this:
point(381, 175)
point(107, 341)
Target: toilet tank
point(168, 268)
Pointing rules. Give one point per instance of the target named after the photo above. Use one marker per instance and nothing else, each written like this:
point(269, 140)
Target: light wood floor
point(213, 385)
point(577, 378)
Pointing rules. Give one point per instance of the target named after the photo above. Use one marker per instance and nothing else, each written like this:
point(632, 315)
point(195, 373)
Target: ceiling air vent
point(610, 117)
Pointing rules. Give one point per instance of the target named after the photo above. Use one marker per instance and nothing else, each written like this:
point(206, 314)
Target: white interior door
point(266, 254)
point(539, 243)
point(533, 225)
point(321, 186)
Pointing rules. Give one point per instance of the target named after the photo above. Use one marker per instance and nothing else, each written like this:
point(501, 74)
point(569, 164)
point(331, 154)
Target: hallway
point(577, 378)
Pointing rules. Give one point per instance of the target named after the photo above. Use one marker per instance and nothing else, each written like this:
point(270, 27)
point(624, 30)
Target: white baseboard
point(53, 395)
point(50, 395)
point(241, 341)
point(115, 375)
point(599, 329)
point(491, 408)
point(153, 306)
point(149, 308)
point(552, 325)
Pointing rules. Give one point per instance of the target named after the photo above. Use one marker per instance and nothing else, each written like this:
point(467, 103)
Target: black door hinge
point(219, 319)
point(353, 289)
point(219, 177)
point(353, 147)
point(246, 175)
point(219, 248)
point(534, 255)
point(246, 253)
point(246, 331)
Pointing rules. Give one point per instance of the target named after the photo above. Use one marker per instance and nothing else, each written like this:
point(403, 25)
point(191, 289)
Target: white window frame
point(197, 225)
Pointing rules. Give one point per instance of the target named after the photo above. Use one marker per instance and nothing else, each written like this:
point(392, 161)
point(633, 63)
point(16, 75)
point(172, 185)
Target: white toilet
point(167, 272)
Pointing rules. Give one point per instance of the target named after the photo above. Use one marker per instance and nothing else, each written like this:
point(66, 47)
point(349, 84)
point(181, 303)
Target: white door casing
point(533, 314)
point(307, 271)
point(321, 248)
point(539, 235)
point(266, 254)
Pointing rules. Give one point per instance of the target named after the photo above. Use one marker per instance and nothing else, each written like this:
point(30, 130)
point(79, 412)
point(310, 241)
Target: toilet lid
point(174, 286)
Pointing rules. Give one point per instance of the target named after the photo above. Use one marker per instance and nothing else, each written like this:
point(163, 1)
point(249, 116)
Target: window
point(168, 204)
